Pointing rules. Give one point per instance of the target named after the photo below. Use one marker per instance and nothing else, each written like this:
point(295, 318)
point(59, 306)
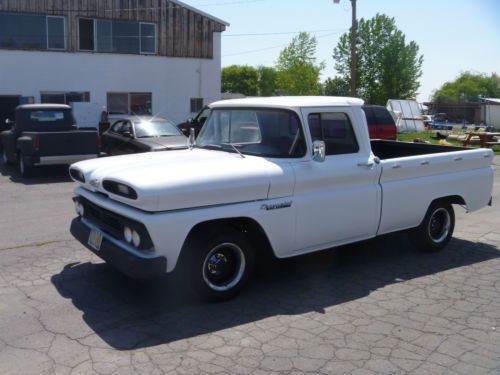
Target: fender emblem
point(275, 206)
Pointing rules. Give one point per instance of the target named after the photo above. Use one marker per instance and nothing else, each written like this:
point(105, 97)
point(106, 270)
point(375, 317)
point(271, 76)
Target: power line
point(229, 3)
point(274, 47)
point(283, 32)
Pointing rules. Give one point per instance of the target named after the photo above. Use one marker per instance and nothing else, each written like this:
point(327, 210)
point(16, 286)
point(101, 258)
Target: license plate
point(95, 239)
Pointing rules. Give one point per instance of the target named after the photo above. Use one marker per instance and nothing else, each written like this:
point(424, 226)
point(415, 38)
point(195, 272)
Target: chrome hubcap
point(223, 267)
point(439, 225)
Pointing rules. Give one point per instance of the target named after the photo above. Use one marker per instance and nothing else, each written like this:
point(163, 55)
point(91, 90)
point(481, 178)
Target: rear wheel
point(5, 159)
point(435, 231)
point(219, 264)
point(25, 170)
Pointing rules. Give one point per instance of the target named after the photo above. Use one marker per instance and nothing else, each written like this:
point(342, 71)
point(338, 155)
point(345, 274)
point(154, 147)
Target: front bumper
point(126, 262)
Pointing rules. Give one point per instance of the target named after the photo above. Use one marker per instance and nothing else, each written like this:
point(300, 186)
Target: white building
point(160, 57)
point(490, 112)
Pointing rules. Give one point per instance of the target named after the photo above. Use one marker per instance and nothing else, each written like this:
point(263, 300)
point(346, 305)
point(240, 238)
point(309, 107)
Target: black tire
point(5, 159)
point(435, 231)
point(218, 263)
point(25, 170)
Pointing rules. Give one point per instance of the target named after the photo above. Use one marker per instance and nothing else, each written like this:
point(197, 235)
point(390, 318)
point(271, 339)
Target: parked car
point(381, 125)
point(132, 134)
point(288, 175)
point(45, 134)
point(427, 119)
point(196, 123)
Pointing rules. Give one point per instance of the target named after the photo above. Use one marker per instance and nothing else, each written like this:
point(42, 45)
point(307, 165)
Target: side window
point(126, 128)
point(116, 127)
point(383, 116)
point(370, 117)
point(335, 129)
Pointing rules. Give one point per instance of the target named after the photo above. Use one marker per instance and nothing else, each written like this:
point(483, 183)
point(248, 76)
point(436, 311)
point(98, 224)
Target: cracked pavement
point(374, 307)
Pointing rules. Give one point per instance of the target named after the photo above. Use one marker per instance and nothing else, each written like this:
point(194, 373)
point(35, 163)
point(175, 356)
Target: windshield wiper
point(233, 145)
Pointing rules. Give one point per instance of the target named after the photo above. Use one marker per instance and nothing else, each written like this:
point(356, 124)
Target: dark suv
point(381, 125)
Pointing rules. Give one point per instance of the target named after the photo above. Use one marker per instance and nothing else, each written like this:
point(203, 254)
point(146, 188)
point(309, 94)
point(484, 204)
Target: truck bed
point(394, 149)
point(414, 174)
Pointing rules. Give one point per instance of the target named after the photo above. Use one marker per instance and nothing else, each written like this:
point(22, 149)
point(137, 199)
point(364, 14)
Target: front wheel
point(219, 263)
point(435, 231)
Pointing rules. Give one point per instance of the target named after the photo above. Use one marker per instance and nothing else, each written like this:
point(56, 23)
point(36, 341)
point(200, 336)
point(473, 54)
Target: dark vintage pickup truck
point(45, 134)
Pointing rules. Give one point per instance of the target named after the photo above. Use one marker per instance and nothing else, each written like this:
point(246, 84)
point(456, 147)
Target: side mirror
point(190, 120)
point(127, 134)
point(319, 151)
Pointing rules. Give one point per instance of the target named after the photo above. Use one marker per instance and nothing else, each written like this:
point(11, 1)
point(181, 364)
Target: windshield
point(273, 133)
point(147, 129)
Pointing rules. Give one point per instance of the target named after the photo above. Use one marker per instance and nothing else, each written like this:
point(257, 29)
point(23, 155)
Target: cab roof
point(43, 106)
point(289, 102)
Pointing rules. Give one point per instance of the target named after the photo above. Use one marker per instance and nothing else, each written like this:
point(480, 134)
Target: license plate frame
point(95, 239)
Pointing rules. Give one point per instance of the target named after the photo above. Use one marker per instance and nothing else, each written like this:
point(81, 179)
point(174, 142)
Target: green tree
point(297, 70)
point(386, 66)
point(267, 80)
point(468, 86)
point(241, 79)
point(336, 87)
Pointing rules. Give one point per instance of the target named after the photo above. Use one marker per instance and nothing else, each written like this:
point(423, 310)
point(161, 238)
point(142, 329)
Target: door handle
point(395, 166)
point(368, 164)
point(458, 158)
point(424, 162)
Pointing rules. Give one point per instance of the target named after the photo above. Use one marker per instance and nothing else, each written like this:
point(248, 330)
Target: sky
point(453, 35)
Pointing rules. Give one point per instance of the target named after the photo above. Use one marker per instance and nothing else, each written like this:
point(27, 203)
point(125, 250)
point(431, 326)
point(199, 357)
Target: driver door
point(338, 200)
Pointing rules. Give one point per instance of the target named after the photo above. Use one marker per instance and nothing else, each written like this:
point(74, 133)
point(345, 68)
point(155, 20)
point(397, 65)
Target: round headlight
point(127, 234)
point(136, 239)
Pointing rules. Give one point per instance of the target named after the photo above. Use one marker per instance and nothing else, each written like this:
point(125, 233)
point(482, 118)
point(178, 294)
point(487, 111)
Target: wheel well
point(254, 232)
point(452, 199)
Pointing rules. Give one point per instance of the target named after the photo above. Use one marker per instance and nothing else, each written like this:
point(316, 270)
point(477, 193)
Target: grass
point(430, 137)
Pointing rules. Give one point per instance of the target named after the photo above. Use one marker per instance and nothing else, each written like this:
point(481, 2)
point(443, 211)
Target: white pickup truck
point(290, 175)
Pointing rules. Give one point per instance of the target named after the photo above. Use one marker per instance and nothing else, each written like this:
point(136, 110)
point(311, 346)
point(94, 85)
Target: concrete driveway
point(375, 307)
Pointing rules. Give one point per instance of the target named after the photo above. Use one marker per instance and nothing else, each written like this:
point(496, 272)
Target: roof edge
point(200, 12)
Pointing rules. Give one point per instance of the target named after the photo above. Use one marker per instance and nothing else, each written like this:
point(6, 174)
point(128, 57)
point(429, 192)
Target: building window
point(28, 31)
point(116, 36)
point(55, 33)
point(196, 105)
point(61, 97)
point(133, 103)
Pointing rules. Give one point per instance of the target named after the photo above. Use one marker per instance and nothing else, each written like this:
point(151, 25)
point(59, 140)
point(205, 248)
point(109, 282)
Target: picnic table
point(485, 139)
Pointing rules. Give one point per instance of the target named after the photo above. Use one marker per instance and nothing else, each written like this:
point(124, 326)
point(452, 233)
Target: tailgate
point(67, 143)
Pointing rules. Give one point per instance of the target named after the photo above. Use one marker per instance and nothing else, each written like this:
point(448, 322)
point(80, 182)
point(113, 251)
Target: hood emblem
point(94, 183)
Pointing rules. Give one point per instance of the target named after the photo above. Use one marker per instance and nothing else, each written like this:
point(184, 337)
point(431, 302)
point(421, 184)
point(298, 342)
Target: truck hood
point(182, 179)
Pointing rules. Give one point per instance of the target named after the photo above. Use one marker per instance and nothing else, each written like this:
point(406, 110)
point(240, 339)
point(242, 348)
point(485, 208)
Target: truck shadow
point(127, 314)
point(41, 175)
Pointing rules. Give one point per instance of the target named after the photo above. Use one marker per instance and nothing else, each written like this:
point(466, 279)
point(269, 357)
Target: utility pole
point(353, 46)
point(353, 49)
